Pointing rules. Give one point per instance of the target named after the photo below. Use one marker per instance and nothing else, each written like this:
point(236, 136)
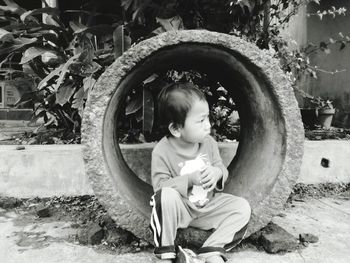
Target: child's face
point(197, 124)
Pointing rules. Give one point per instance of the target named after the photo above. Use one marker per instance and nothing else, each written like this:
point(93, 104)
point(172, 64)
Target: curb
point(58, 170)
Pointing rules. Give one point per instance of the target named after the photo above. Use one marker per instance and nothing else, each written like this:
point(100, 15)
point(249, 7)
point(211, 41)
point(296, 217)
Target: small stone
point(308, 238)
point(143, 243)
point(95, 234)
point(274, 239)
point(282, 215)
point(20, 148)
point(92, 234)
point(118, 236)
point(107, 221)
point(114, 234)
point(43, 212)
point(325, 162)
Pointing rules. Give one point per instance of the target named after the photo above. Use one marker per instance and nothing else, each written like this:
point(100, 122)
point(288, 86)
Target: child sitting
point(188, 178)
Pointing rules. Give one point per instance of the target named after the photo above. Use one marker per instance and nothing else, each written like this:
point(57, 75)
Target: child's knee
point(170, 196)
point(241, 207)
point(245, 209)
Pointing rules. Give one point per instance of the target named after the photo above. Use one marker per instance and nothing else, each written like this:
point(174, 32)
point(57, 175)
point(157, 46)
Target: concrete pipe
point(268, 158)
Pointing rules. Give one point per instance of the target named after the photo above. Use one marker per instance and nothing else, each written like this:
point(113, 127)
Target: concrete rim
point(122, 209)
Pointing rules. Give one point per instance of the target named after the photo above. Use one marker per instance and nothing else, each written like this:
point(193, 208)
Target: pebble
point(308, 238)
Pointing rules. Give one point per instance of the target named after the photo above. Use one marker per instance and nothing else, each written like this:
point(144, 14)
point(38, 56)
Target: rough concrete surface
point(39, 241)
point(42, 170)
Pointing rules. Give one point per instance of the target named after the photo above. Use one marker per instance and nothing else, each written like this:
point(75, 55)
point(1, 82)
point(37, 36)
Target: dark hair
point(175, 101)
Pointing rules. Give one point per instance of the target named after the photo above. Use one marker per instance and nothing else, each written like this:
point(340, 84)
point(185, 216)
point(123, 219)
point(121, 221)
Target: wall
point(56, 170)
point(333, 86)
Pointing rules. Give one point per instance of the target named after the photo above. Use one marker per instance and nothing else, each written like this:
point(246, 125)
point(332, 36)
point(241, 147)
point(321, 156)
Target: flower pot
point(325, 117)
point(309, 117)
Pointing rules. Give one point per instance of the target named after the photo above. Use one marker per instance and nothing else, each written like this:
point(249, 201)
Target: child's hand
point(210, 176)
point(194, 178)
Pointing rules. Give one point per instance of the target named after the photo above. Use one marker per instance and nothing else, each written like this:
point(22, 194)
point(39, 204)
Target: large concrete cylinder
point(269, 154)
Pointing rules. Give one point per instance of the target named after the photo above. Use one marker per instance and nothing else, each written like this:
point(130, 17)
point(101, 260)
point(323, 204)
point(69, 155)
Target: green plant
point(259, 21)
point(64, 61)
point(319, 103)
point(139, 122)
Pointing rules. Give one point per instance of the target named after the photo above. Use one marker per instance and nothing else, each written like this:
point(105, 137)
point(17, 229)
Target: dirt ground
point(31, 225)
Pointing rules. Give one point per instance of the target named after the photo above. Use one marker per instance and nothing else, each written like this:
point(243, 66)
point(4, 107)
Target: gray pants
point(226, 214)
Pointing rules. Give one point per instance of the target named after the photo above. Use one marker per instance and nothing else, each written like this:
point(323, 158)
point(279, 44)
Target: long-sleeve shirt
point(167, 164)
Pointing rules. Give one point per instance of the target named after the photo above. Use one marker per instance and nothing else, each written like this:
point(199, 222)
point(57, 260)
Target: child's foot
point(187, 256)
point(214, 259)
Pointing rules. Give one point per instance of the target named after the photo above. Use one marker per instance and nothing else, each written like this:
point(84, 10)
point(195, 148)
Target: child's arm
point(161, 177)
point(217, 162)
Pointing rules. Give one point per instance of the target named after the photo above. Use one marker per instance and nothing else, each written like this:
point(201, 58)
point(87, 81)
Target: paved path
point(26, 240)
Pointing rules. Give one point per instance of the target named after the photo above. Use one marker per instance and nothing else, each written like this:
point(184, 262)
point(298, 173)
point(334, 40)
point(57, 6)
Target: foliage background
point(64, 51)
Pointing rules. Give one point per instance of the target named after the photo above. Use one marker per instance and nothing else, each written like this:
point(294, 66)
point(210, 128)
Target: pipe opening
point(252, 173)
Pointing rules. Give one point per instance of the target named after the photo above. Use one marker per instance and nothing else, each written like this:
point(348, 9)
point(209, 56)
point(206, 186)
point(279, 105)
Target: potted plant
point(324, 111)
point(317, 112)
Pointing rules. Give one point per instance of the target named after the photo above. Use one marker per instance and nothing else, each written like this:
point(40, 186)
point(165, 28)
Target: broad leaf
point(34, 52)
point(148, 111)
point(150, 79)
point(39, 11)
point(12, 7)
point(64, 93)
point(76, 26)
point(8, 9)
point(121, 41)
point(17, 44)
point(51, 120)
point(139, 115)
point(38, 113)
point(134, 104)
point(57, 29)
point(54, 73)
point(126, 4)
point(138, 9)
point(246, 5)
point(28, 96)
point(98, 30)
point(171, 24)
point(79, 97)
point(65, 70)
point(5, 36)
point(158, 30)
point(52, 20)
point(89, 82)
point(59, 72)
point(53, 38)
point(84, 69)
point(84, 64)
